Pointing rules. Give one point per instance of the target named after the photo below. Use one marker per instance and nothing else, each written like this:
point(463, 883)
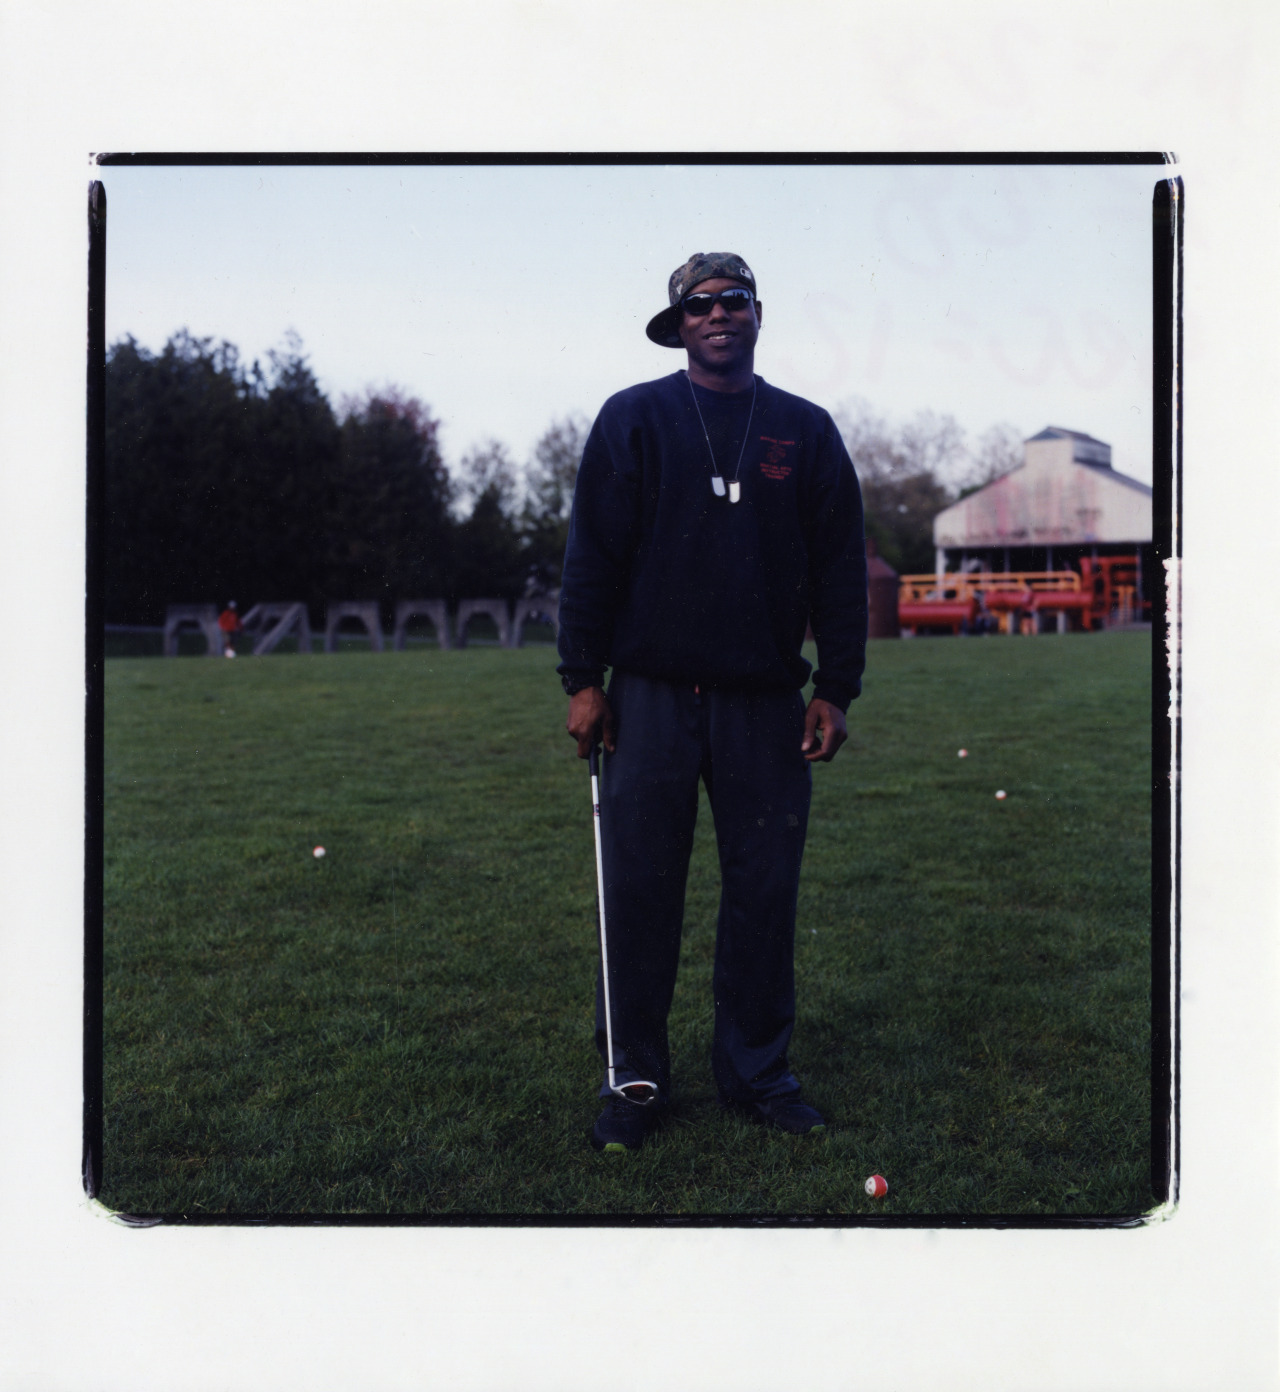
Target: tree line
point(231, 479)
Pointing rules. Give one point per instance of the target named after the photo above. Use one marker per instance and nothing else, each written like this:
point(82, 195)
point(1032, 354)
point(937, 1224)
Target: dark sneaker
point(790, 1113)
point(623, 1125)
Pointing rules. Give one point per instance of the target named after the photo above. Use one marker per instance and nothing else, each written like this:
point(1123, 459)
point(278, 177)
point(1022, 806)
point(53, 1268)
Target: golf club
point(641, 1092)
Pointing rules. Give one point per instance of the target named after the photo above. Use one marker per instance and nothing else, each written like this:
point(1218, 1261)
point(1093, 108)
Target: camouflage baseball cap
point(702, 265)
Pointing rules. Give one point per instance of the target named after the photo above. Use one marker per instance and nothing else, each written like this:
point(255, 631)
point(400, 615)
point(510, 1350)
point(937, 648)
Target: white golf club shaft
point(604, 944)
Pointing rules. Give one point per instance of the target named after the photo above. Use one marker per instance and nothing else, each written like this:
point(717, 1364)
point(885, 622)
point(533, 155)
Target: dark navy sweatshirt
point(665, 579)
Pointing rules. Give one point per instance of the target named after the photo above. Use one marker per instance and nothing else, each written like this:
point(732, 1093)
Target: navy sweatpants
point(745, 746)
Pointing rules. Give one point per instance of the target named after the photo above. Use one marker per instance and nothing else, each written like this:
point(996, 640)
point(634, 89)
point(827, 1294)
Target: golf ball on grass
point(962, 753)
point(1001, 795)
point(877, 1186)
point(318, 852)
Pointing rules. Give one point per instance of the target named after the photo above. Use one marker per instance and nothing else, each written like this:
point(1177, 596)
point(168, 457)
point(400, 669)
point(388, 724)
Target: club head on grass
point(642, 1093)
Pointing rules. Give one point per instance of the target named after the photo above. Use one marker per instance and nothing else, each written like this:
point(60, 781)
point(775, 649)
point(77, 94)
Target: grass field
point(405, 1026)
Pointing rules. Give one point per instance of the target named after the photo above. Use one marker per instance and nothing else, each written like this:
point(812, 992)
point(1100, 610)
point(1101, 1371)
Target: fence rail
point(976, 584)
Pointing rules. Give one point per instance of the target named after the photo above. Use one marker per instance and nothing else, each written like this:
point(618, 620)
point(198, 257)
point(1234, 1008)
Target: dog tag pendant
point(735, 490)
point(717, 485)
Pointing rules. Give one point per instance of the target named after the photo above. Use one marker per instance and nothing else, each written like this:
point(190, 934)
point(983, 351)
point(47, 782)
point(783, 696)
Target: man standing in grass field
point(714, 516)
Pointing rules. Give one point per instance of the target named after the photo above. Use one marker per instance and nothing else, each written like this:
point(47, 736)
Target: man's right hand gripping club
point(590, 720)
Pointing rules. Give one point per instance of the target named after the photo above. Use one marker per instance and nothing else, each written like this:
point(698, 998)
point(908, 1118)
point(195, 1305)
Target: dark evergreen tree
point(388, 534)
point(224, 482)
point(179, 426)
point(294, 450)
point(489, 556)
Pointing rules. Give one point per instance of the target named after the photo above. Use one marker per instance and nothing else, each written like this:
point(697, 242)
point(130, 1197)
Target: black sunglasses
point(700, 304)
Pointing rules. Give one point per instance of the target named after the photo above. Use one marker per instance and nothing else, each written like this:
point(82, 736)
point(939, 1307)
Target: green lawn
point(405, 1026)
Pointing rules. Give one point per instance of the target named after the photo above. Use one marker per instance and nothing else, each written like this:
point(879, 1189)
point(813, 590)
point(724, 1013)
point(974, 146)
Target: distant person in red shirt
point(229, 623)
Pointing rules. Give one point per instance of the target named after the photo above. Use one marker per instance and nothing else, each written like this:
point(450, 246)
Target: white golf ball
point(1002, 794)
point(319, 850)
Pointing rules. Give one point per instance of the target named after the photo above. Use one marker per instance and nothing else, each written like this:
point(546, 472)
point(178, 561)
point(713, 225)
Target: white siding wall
point(1049, 501)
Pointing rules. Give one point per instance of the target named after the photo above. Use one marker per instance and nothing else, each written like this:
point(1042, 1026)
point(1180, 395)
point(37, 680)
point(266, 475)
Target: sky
point(506, 297)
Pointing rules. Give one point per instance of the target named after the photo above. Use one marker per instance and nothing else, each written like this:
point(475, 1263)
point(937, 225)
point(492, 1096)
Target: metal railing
point(976, 584)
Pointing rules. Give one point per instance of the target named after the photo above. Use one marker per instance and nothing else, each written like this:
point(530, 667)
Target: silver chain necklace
point(717, 481)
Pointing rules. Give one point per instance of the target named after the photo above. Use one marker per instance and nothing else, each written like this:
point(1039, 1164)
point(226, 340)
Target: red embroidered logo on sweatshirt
point(771, 466)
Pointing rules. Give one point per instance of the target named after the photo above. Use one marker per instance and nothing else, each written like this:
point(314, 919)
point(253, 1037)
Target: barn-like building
point(1064, 502)
point(1064, 522)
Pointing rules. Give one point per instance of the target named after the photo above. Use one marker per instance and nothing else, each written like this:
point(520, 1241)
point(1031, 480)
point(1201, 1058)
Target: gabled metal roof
point(1058, 432)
